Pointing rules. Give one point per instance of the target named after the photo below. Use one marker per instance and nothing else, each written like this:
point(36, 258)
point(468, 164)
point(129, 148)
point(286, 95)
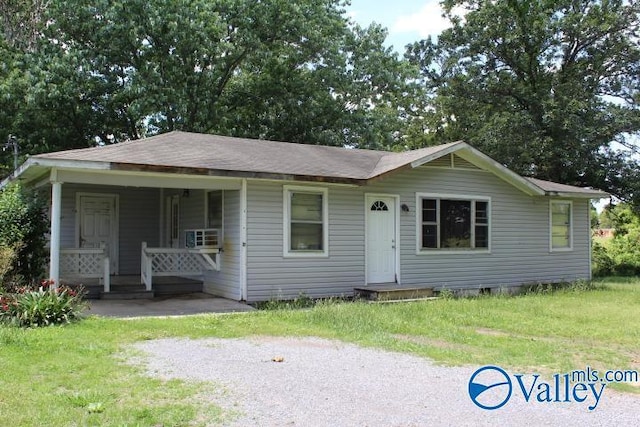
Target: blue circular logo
point(490, 387)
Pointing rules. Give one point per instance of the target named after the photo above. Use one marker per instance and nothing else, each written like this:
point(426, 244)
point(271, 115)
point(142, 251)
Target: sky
point(406, 20)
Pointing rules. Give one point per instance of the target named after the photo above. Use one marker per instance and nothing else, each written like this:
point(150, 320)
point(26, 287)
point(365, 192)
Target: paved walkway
point(166, 306)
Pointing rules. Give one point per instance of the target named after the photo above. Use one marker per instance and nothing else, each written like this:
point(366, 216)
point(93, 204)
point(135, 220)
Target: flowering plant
point(41, 305)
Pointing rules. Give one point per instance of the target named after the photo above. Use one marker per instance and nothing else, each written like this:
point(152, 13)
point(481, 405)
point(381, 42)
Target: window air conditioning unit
point(203, 238)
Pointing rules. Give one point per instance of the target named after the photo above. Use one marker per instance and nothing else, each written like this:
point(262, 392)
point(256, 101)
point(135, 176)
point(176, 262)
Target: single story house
point(256, 219)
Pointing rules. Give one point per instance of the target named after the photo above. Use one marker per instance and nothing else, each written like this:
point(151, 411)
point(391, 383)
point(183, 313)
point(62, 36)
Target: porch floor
point(196, 303)
point(162, 286)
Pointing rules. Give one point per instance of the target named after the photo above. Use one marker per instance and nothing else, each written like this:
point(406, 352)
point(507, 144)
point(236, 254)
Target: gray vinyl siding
point(519, 234)
point(271, 275)
point(138, 220)
point(519, 239)
point(226, 282)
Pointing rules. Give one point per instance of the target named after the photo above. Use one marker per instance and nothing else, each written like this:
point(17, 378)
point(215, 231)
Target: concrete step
point(392, 294)
point(161, 288)
point(131, 294)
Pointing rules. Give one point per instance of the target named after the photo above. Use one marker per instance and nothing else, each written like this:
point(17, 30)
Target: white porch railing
point(176, 262)
point(86, 262)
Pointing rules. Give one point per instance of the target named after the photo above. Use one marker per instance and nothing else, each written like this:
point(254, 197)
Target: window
point(214, 209)
point(561, 225)
point(379, 206)
point(452, 223)
point(305, 221)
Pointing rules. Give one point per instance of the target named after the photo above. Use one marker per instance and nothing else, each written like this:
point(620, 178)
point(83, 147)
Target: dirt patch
point(492, 332)
point(431, 342)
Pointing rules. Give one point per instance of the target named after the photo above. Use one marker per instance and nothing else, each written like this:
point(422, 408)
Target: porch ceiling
point(148, 179)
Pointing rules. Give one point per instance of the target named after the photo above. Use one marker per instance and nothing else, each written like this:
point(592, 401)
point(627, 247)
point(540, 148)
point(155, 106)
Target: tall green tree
point(103, 71)
point(547, 87)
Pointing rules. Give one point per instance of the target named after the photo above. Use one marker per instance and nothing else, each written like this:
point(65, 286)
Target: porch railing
point(86, 262)
point(176, 262)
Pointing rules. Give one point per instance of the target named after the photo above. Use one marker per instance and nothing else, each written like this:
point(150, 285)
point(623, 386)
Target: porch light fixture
point(186, 192)
point(404, 207)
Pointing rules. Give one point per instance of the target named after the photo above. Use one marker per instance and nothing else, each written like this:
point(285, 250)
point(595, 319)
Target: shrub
point(625, 252)
point(23, 224)
point(302, 301)
point(621, 254)
point(7, 258)
point(41, 306)
point(446, 293)
point(601, 261)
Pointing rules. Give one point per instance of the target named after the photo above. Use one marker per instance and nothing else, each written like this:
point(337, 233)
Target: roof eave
point(43, 162)
point(134, 167)
point(30, 163)
point(430, 157)
point(577, 195)
point(68, 164)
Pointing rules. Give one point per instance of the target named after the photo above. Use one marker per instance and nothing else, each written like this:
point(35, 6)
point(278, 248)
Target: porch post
point(243, 240)
point(54, 252)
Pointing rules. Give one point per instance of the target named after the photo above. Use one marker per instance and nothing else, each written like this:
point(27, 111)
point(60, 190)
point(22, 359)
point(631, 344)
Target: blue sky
point(406, 20)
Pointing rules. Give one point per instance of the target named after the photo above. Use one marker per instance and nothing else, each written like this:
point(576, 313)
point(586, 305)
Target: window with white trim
point(451, 223)
point(305, 218)
point(561, 225)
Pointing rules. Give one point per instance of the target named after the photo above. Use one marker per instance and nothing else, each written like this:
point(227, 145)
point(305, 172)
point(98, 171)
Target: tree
point(106, 71)
point(545, 87)
point(23, 224)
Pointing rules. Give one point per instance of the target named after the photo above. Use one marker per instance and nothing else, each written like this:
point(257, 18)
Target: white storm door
point(381, 243)
point(98, 224)
point(173, 221)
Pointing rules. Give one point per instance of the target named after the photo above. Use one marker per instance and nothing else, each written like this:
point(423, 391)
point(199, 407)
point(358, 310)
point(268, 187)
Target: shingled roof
point(213, 152)
point(196, 153)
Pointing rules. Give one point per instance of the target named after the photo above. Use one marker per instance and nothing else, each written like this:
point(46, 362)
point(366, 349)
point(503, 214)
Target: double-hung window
point(561, 225)
point(305, 221)
point(453, 223)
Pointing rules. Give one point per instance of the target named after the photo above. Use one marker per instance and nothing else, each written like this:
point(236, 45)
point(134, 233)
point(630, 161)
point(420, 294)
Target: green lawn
point(74, 375)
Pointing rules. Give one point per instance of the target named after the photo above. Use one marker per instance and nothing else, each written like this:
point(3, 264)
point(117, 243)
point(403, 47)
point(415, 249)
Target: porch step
point(130, 286)
point(128, 294)
point(392, 294)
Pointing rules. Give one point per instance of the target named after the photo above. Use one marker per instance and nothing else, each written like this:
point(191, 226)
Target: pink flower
point(45, 283)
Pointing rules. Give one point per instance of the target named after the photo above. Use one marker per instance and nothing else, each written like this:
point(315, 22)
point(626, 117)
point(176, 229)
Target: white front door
point(381, 239)
point(98, 224)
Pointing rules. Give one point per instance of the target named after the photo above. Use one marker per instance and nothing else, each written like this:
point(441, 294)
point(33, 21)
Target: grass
point(75, 375)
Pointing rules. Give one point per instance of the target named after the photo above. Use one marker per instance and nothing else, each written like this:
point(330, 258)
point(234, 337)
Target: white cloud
point(428, 21)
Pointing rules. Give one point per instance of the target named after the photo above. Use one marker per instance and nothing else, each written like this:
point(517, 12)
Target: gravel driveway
point(329, 383)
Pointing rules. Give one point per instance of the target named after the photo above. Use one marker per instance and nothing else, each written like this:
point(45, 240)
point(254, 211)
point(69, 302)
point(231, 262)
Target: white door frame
point(368, 199)
point(114, 249)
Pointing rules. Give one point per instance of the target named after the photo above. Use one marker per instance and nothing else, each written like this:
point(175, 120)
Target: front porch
point(142, 237)
point(163, 271)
